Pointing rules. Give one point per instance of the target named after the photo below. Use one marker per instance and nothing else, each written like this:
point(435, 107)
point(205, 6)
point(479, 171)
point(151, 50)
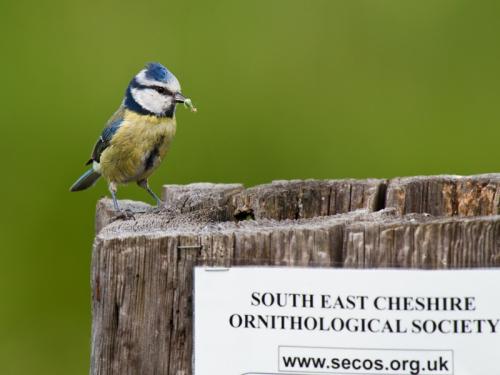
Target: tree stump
point(142, 268)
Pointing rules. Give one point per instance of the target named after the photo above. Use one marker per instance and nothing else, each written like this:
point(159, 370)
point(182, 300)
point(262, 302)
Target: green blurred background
point(285, 89)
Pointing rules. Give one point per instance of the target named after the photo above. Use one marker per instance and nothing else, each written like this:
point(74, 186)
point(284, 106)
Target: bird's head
point(154, 91)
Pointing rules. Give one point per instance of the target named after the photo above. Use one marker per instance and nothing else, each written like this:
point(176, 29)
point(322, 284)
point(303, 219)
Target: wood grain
point(142, 268)
point(446, 195)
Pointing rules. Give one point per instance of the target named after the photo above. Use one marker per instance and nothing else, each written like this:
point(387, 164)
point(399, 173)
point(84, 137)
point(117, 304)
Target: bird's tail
point(85, 181)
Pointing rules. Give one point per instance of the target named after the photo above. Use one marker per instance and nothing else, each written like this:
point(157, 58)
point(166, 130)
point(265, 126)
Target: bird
point(137, 137)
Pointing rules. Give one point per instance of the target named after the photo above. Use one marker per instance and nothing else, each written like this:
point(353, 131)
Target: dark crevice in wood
point(329, 202)
point(247, 214)
point(349, 207)
point(381, 197)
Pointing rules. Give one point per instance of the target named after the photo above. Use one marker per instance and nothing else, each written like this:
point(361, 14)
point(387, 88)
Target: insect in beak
point(179, 98)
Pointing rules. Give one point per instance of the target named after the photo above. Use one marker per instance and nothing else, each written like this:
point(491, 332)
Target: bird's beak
point(179, 98)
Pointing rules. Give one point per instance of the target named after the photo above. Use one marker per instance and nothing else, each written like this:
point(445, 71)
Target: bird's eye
point(161, 90)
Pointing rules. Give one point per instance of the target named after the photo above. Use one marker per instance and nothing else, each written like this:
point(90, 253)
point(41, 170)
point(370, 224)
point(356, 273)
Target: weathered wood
point(105, 212)
point(142, 268)
point(299, 199)
point(446, 195)
point(195, 197)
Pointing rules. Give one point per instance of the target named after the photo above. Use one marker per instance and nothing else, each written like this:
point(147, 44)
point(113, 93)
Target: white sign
point(260, 321)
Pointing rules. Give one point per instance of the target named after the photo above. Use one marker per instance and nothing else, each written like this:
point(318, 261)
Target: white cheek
point(152, 101)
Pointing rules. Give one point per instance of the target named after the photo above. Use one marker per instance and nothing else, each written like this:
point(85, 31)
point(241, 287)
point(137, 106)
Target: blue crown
point(157, 72)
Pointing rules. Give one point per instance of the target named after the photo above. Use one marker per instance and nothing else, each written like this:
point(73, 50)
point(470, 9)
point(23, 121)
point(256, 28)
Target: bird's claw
point(124, 215)
point(158, 209)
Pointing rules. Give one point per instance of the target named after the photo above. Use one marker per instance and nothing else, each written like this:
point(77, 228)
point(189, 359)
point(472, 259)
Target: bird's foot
point(158, 209)
point(124, 215)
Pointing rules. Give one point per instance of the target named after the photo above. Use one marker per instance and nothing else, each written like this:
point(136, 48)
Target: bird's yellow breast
point(137, 147)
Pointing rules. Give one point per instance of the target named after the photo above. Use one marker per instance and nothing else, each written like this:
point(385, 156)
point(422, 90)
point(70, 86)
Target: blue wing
point(107, 134)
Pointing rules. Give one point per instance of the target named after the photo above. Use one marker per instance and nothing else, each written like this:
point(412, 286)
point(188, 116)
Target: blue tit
point(138, 136)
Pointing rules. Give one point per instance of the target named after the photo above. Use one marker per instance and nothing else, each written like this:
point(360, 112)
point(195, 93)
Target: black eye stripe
point(161, 90)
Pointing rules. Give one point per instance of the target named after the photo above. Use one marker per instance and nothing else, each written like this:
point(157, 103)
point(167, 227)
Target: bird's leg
point(144, 184)
point(120, 214)
point(113, 189)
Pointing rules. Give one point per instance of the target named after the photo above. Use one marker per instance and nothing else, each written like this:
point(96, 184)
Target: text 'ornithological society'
point(455, 308)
